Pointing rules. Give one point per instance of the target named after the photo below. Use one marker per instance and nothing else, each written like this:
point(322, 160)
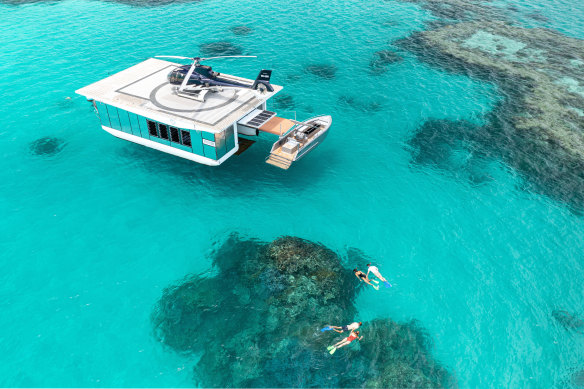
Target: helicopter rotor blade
point(230, 56)
point(188, 76)
point(172, 56)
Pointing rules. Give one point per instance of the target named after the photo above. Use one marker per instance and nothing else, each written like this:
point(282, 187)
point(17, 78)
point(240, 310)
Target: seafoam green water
point(92, 233)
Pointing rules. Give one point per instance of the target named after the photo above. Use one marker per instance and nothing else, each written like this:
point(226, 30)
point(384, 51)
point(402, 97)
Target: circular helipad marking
point(184, 101)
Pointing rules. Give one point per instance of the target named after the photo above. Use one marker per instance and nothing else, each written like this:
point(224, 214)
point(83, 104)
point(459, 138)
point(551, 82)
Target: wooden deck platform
point(277, 126)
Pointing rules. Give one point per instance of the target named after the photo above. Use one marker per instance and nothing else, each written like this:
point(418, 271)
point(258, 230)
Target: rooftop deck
point(144, 90)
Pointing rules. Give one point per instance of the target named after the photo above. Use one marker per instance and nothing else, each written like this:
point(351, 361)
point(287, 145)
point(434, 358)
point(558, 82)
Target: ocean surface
point(94, 228)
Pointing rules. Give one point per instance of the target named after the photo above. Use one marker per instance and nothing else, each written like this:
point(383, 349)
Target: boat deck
point(144, 89)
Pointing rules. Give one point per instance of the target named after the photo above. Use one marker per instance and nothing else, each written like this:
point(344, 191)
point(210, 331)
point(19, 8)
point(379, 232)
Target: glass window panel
point(114, 118)
point(163, 130)
point(174, 137)
point(186, 138)
point(152, 128)
point(125, 121)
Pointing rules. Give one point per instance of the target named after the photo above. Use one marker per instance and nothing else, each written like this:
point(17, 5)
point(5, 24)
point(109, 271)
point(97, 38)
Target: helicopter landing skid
point(198, 95)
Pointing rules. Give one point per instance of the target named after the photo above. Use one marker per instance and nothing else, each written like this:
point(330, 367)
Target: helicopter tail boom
point(263, 79)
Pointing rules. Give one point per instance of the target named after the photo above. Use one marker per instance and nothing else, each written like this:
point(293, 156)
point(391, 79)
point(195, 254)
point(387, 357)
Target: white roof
point(144, 90)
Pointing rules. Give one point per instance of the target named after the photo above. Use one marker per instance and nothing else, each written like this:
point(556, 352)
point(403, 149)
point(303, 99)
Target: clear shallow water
point(91, 235)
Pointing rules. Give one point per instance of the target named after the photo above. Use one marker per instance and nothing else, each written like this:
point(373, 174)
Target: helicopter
point(196, 79)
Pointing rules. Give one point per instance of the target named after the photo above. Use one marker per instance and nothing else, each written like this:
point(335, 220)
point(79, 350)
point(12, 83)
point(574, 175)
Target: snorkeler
point(376, 273)
point(352, 336)
point(363, 277)
point(350, 327)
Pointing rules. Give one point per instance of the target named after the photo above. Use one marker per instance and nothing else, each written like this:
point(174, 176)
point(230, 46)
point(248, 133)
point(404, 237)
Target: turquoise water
point(91, 235)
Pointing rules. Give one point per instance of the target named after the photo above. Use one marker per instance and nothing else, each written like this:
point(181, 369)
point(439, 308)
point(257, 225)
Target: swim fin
point(332, 350)
point(387, 284)
point(377, 282)
point(376, 287)
point(327, 328)
point(329, 348)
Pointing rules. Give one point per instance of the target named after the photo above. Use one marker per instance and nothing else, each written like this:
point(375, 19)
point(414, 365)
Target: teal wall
point(130, 123)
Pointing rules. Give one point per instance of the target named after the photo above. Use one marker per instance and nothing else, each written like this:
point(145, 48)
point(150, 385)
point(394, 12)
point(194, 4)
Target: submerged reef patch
point(569, 321)
point(456, 147)
point(256, 323)
point(382, 59)
point(283, 101)
point(215, 49)
point(325, 71)
point(359, 104)
point(537, 127)
point(47, 146)
point(241, 30)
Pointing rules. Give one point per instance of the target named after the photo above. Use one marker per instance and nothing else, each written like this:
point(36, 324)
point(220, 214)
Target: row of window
point(162, 131)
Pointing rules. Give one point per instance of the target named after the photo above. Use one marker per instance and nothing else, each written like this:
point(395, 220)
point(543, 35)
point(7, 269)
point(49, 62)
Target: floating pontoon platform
point(139, 104)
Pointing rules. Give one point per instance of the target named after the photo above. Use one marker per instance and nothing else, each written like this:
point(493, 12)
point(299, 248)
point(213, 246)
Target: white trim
point(168, 149)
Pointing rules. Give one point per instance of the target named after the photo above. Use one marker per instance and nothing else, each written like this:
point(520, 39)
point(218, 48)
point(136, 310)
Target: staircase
point(279, 161)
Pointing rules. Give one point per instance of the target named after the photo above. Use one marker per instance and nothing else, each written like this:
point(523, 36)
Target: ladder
point(279, 161)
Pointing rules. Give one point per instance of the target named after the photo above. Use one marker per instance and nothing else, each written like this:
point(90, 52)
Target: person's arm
point(368, 270)
point(361, 337)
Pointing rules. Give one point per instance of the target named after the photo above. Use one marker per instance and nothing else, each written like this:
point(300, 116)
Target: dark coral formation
point(256, 323)
point(325, 71)
point(360, 105)
point(381, 60)
point(569, 321)
point(283, 101)
point(241, 30)
point(538, 125)
point(47, 146)
point(215, 49)
point(440, 143)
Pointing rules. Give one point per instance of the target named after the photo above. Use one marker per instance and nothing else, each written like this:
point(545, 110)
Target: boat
point(299, 141)
point(193, 112)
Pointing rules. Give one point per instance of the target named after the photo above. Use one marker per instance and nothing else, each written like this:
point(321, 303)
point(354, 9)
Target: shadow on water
point(262, 328)
point(235, 177)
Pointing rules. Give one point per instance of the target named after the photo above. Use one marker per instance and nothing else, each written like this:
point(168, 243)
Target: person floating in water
point(350, 327)
point(363, 277)
point(376, 273)
point(352, 336)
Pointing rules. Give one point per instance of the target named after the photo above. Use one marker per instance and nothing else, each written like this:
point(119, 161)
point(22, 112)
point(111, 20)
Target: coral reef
point(569, 320)
point(241, 30)
point(539, 72)
point(47, 146)
point(255, 322)
point(214, 49)
point(381, 60)
point(577, 379)
point(325, 71)
point(283, 101)
point(360, 105)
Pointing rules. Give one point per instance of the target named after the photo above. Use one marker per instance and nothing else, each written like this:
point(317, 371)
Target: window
point(163, 131)
point(174, 135)
point(186, 138)
point(152, 128)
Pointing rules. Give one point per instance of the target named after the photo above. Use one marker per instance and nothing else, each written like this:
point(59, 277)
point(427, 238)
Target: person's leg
point(343, 344)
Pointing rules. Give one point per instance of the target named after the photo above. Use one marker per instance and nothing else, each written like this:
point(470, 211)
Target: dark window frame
point(152, 127)
point(174, 134)
point(185, 140)
point(163, 131)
